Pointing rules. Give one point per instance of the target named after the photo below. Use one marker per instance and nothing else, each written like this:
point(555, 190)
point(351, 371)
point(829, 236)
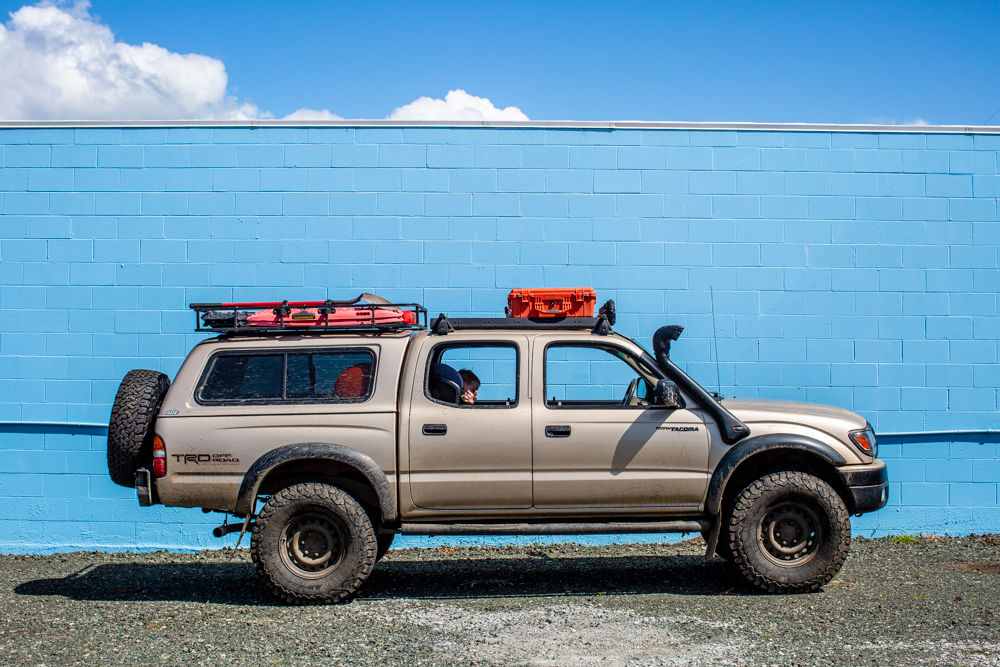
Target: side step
point(624, 528)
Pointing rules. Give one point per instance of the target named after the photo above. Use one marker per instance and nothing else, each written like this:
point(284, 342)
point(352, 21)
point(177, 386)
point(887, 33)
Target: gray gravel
point(896, 602)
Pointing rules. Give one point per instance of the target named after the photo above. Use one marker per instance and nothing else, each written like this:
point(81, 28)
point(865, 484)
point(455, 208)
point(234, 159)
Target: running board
point(617, 528)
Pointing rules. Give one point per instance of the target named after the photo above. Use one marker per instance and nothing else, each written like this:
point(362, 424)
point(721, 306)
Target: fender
point(316, 451)
point(762, 443)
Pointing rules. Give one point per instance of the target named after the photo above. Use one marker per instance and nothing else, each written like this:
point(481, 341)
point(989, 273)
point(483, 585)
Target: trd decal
point(207, 459)
point(677, 428)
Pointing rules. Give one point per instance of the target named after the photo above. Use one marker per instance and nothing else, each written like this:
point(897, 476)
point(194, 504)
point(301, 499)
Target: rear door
point(478, 456)
point(598, 445)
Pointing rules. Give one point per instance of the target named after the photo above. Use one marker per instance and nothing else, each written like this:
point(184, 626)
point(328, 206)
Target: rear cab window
point(491, 366)
point(293, 376)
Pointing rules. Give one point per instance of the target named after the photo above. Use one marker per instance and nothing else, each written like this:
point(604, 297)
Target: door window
point(475, 375)
point(343, 375)
point(592, 376)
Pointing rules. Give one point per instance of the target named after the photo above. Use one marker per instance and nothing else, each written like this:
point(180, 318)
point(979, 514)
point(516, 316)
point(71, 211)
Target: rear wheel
point(789, 532)
point(313, 544)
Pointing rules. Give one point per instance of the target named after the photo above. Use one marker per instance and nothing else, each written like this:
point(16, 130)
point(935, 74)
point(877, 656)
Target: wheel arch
point(768, 453)
point(356, 473)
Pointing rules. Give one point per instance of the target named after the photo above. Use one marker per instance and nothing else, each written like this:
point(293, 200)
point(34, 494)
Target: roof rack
point(367, 312)
point(600, 325)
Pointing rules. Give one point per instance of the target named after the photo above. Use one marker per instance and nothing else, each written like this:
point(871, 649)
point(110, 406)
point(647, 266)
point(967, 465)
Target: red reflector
point(159, 467)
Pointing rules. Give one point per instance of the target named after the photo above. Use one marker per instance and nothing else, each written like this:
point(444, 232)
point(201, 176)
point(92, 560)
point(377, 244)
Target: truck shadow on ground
point(236, 583)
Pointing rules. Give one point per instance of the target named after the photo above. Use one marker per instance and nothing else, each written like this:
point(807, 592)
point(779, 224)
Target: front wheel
point(313, 544)
point(789, 532)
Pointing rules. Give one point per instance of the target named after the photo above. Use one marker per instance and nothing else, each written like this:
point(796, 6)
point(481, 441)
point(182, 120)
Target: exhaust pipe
point(225, 529)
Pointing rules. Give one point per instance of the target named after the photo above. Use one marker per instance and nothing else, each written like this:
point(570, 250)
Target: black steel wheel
point(789, 532)
point(313, 544)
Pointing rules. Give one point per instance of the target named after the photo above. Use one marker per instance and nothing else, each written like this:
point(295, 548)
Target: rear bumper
point(867, 486)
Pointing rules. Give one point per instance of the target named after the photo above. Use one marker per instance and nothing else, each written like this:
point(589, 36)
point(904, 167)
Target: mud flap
point(713, 536)
point(142, 487)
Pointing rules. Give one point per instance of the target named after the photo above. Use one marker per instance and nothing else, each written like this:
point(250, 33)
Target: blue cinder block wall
point(857, 269)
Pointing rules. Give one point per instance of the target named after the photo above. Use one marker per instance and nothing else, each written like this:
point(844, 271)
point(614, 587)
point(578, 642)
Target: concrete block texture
point(858, 269)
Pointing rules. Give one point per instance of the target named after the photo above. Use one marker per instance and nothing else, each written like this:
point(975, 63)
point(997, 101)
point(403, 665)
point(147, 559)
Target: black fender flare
point(762, 443)
point(316, 451)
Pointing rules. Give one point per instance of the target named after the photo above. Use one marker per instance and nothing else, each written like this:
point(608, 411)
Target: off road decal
point(677, 428)
point(207, 459)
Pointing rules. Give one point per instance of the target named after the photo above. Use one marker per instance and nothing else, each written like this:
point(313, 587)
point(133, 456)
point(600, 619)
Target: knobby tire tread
point(743, 506)
point(130, 426)
point(351, 512)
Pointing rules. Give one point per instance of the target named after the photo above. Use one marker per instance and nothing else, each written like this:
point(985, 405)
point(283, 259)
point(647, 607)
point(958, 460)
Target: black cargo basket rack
point(232, 318)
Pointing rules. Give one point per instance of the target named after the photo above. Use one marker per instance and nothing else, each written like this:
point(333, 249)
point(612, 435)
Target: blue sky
point(851, 62)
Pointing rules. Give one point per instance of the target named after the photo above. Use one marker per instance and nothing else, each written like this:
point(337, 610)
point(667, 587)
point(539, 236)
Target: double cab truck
point(326, 428)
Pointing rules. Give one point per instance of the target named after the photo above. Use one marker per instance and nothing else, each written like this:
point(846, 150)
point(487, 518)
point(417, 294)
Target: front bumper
point(867, 486)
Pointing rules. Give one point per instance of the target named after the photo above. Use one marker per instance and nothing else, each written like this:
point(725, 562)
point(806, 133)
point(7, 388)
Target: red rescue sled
point(347, 317)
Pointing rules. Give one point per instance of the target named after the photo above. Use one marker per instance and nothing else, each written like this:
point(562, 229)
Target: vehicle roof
point(306, 339)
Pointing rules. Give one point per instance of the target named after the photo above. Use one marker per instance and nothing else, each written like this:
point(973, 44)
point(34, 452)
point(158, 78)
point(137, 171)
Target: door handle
point(435, 429)
point(557, 431)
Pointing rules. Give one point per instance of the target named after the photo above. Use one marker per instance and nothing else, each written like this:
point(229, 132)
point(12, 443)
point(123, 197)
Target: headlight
point(865, 439)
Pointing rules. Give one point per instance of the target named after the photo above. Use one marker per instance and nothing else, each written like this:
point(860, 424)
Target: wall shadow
point(62, 429)
point(915, 439)
point(537, 575)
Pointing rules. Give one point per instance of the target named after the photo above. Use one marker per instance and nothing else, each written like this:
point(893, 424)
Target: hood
point(824, 417)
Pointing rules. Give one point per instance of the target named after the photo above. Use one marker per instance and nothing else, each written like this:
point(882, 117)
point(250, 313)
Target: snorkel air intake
point(731, 429)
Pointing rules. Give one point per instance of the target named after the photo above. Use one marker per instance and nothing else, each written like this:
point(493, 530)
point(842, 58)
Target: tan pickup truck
point(326, 428)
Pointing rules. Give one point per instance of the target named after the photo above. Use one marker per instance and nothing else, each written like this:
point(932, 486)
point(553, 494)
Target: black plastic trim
point(316, 451)
point(762, 443)
point(864, 476)
point(867, 485)
point(868, 498)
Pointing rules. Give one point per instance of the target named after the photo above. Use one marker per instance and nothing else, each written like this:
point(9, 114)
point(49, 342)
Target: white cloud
point(59, 63)
point(311, 114)
point(457, 105)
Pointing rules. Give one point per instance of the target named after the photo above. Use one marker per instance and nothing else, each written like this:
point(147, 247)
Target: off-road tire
point(814, 519)
point(384, 541)
point(315, 513)
point(130, 431)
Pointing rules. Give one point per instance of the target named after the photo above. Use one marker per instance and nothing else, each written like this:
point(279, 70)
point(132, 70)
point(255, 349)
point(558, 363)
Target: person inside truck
point(470, 386)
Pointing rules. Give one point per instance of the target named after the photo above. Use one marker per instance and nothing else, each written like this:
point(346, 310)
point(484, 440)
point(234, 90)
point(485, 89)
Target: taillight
point(159, 457)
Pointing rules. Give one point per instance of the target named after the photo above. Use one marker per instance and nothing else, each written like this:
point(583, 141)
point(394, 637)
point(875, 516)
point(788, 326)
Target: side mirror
point(667, 395)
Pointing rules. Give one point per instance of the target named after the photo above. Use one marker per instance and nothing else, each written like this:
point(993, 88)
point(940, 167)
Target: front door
point(597, 440)
point(470, 449)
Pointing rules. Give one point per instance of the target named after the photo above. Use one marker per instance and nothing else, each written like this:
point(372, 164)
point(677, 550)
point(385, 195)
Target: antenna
point(715, 341)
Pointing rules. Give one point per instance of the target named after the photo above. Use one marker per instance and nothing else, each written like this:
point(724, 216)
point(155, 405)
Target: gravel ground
point(901, 601)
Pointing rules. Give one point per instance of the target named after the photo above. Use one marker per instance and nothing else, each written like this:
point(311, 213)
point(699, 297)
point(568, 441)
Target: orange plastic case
point(562, 302)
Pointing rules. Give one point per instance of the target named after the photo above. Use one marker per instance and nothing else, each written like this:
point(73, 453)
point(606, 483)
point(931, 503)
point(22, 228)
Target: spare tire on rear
point(130, 433)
